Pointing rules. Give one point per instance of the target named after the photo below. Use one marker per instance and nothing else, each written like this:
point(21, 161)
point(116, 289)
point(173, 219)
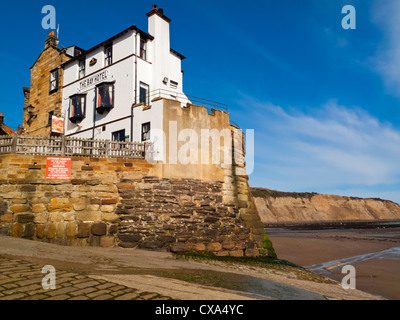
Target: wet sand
point(375, 273)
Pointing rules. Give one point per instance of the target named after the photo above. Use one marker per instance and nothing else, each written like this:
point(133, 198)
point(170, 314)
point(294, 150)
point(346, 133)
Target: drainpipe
point(136, 67)
point(94, 113)
point(132, 122)
point(135, 86)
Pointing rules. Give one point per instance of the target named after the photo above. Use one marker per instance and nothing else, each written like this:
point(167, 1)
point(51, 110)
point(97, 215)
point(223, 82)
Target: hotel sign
point(94, 79)
point(93, 62)
point(57, 124)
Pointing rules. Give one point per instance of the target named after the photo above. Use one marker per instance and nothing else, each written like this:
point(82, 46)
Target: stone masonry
point(38, 94)
point(182, 215)
point(80, 211)
point(237, 191)
point(127, 203)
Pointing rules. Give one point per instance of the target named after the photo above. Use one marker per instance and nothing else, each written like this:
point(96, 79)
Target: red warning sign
point(58, 168)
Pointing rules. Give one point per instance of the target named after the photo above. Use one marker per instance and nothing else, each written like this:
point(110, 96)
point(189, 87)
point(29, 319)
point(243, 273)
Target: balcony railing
point(185, 99)
point(72, 147)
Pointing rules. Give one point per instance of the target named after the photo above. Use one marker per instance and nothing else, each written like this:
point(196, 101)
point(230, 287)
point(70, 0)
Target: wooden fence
point(72, 147)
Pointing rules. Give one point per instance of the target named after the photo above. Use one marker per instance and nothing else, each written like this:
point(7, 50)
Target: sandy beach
point(375, 254)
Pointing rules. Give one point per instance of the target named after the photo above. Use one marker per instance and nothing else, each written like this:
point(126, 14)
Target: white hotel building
point(108, 89)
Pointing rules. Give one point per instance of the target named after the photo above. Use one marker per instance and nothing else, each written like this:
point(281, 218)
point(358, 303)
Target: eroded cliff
point(279, 207)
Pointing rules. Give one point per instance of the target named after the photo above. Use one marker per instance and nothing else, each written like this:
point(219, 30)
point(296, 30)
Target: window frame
point(54, 81)
point(143, 138)
point(73, 117)
point(81, 63)
point(143, 49)
point(145, 86)
point(174, 85)
point(118, 132)
point(50, 117)
point(108, 55)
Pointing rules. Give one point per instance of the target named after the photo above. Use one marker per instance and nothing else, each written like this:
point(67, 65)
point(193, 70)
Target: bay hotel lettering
point(94, 79)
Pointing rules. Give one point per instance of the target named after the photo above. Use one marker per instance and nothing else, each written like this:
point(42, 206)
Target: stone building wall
point(38, 94)
point(117, 202)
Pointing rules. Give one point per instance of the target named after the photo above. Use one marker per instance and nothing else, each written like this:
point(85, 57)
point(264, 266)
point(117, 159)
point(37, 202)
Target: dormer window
point(53, 81)
point(108, 52)
point(104, 97)
point(77, 108)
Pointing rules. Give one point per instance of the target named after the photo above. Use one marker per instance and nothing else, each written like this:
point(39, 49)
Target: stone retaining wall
point(181, 215)
point(80, 211)
point(116, 202)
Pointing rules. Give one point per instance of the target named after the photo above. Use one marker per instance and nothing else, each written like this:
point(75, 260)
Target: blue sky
point(324, 102)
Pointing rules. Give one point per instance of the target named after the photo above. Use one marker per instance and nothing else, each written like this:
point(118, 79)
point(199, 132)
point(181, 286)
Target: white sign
point(94, 79)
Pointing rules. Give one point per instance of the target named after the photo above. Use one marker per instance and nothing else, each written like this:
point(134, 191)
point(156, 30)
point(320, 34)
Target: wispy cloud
point(330, 148)
point(386, 15)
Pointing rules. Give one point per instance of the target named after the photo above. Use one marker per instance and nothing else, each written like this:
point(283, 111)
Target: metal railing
point(186, 99)
point(234, 124)
point(72, 147)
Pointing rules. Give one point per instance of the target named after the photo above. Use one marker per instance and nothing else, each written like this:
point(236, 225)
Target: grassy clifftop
point(263, 193)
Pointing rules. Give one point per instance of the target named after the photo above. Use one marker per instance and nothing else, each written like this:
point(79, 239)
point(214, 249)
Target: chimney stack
point(1, 118)
point(51, 40)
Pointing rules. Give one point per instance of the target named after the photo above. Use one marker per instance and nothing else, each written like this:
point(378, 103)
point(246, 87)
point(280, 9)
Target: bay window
point(77, 107)
point(104, 96)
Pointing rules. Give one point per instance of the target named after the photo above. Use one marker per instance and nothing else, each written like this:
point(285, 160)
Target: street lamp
point(31, 116)
point(30, 110)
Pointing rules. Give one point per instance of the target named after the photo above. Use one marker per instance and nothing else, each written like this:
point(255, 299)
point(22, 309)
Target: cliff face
point(274, 206)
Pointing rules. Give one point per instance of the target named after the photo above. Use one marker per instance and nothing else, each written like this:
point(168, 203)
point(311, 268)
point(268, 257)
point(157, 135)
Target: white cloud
point(332, 147)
